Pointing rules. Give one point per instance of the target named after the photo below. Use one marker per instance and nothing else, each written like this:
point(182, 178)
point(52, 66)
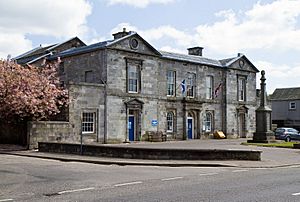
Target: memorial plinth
point(263, 133)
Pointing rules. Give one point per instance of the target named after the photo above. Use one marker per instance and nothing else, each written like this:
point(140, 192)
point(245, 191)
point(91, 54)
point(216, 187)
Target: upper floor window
point(209, 87)
point(170, 121)
point(292, 105)
point(133, 78)
point(190, 85)
point(171, 80)
point(88, 76)
point(88, 122)
point(241, 89)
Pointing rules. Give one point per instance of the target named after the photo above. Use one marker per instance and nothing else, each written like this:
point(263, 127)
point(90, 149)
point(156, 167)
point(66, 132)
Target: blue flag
point(183, 86)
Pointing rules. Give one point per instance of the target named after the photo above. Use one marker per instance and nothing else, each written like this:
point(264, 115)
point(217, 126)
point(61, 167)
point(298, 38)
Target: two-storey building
point(124, 87)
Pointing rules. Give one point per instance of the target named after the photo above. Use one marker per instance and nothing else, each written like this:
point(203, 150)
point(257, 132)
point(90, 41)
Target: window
point(171, 78)
point(170, 121)
point(241, 89)
point(208, 122)
point(209, 87)
point(133, 78)
point(292, 105)
point(88, 122)
point(88, 76)
point(190, 85)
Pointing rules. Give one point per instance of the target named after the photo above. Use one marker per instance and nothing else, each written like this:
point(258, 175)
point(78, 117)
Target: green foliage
point(276, 144)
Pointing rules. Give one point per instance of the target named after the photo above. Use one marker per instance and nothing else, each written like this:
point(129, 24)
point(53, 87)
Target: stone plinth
point(263, 132)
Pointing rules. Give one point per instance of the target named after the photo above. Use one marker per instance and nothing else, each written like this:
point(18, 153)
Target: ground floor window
point(170, 121)
point(88, 122)
point(208, 122)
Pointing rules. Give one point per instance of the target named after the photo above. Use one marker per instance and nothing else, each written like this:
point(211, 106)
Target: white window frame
point(208, 121)
point(170, 121)
point(88, 122)
point(171, 83)
point(133, 78)
point(190, 85)
point(292, 105)
point(209, 87)
point(241, 89)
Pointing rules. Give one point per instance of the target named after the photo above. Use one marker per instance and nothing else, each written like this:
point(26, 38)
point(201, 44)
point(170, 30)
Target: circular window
point(134, 43)
point(241, 63)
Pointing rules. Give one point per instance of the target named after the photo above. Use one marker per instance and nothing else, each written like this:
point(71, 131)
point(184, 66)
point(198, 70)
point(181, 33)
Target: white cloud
point(56, 18)
point(279, 75)
point(138, 3)
point(269, 26)
point(271, 29)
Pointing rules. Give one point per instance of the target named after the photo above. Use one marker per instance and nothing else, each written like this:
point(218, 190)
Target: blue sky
point(266, 31)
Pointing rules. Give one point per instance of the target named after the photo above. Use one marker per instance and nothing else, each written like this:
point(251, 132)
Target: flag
point(217, 90)
point(183, 86)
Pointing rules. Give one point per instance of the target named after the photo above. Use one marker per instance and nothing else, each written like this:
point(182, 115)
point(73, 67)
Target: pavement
point(271, 157)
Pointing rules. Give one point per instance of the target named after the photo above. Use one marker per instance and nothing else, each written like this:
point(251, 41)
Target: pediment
point(242, 109)
point(242, 63)
point(135, 102)
point(134, 43)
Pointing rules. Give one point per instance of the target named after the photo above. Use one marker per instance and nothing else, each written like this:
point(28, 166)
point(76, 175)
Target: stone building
point(285, 107)
point(122, 88)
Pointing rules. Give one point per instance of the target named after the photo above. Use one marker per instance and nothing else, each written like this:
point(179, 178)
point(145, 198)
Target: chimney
point(120, 34)
point(240, 54)
point(195, 51)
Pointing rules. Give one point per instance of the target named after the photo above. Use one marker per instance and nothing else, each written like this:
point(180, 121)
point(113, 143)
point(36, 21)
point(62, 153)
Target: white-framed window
point(170, 121)
point(208, 122)
point(292, 105)
point(171, 80)
point(190, 85)
point(88, 122)
point(209, 87)
point(241, 89)
point(133, 78)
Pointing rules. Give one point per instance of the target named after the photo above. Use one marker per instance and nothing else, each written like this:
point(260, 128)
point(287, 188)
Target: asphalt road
point(31, 179)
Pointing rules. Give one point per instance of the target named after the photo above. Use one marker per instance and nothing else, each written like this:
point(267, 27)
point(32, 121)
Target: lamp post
point(81, 152)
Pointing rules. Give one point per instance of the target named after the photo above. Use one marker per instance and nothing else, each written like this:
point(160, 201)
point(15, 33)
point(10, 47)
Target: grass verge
point(275, 144)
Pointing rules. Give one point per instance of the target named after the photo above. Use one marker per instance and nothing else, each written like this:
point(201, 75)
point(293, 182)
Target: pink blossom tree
point(30, 92)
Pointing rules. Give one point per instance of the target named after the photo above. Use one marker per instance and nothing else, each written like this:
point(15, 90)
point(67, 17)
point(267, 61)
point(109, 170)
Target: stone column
point(263, 132)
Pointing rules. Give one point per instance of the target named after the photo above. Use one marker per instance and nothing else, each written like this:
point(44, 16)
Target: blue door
point(131, 128)
point(190, 128)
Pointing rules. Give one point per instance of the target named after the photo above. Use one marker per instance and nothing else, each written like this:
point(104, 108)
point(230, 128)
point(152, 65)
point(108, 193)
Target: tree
point(30, 92)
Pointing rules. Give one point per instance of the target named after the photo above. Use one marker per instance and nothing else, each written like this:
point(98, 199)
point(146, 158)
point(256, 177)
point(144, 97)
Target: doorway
point(131, 127)
point(190, 124)
point(242, 125)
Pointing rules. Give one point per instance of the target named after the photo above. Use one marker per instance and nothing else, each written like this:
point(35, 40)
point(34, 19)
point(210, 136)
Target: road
point(31, 179)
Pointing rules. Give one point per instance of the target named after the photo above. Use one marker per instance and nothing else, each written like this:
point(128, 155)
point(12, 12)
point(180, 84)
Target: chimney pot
point(119, 35)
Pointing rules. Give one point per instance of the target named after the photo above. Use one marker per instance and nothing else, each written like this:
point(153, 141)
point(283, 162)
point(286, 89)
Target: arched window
point(208, 122)
point(170, 120)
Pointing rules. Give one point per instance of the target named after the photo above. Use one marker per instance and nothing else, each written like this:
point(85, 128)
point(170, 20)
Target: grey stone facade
point(285, 107)
point(125, 115)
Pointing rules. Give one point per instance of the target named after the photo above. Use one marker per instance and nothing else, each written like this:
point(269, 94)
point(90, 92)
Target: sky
point(266, 31)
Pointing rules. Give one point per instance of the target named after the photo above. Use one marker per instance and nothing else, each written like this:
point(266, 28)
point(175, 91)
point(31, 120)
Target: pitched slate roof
point(191, 58)
point(99, 45)
point(33, 52)
point(81, 50)
point(286, 94)
point(40, 52)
